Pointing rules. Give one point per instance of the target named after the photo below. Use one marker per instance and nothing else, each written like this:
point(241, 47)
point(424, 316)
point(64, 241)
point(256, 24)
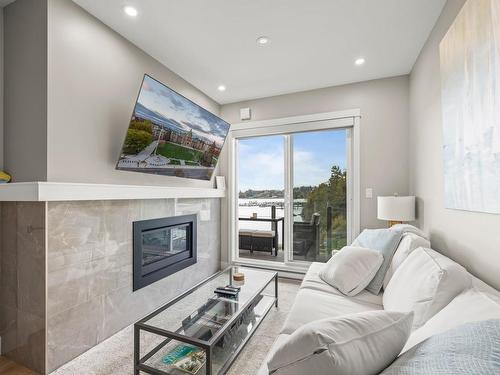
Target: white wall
point(471, 238)
point(384, 130)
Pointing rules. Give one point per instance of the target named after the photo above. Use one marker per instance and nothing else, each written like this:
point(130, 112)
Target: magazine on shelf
point(187, 358)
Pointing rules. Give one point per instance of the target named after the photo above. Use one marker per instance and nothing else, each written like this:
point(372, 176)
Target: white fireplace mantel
point(62, 191)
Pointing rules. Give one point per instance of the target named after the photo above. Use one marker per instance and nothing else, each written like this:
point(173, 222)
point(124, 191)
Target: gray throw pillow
point(470, 349)
point(384, 240)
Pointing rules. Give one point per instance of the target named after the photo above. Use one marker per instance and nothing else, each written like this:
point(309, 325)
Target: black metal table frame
point(139, 364)
point(274, 222)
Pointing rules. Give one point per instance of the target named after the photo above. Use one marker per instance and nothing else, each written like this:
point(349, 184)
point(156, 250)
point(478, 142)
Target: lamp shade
point(396, 208)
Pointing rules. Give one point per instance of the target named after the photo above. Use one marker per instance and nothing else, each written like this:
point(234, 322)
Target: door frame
point(349, 119)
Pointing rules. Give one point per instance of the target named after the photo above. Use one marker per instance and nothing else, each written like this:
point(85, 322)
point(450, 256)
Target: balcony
point(261, 237)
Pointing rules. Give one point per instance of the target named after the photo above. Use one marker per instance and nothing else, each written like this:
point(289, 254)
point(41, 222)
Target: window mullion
point(288, 199)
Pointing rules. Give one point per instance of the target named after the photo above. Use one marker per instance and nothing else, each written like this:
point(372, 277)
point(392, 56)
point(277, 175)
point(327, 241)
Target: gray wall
point(1, 88)
point(25, 87)
point(94, 78)
point(22, 283)
point(384, 130)
point(469, 237)
point(71, 85)
point(89, 261)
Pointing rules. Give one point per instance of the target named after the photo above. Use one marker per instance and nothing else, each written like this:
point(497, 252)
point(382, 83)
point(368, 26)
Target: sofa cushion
point(385, 241)
point(356, 344)
point(351, 269)
point(472, 348)
point(469, 306)
point(408, 228)
point(425, 283)
point(263, 370)
point(481, 286)
point(409, 242)
point(310, 305)
point(312, 281)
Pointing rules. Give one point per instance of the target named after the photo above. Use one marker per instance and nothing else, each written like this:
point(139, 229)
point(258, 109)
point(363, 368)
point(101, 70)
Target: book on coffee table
point(187, 358)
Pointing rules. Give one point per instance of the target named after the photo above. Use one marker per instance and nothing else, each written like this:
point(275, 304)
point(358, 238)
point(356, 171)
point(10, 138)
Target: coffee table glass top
point(201, 315)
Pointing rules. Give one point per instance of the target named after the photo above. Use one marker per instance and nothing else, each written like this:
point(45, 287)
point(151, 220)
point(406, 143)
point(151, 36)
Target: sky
point(159, 98)
point(261, 159)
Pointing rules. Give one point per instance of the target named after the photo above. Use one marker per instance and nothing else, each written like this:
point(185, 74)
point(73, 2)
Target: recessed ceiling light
point(359, 61)
point(130, 11)
point(263, 40)
point(221, 88)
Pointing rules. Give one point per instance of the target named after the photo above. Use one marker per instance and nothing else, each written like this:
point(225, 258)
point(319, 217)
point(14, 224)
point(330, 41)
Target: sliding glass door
point(292, 195)
point(319, 194)
point(261, 188)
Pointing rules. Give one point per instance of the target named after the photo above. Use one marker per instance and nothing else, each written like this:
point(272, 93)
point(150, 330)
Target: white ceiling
point(313, 42)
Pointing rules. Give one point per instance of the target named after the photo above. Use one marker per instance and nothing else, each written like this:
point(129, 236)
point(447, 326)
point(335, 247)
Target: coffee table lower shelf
point(218, 359)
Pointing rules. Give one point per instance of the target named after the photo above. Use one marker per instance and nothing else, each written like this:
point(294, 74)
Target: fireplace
point(162, 247)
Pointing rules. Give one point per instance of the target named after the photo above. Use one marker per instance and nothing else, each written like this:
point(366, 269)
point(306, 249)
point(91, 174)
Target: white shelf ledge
point(62, 191)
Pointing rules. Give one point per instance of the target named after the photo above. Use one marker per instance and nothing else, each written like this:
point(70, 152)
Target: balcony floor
point(263, 255)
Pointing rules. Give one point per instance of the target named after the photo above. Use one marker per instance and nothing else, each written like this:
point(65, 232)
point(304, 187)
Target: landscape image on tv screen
point(170, 135)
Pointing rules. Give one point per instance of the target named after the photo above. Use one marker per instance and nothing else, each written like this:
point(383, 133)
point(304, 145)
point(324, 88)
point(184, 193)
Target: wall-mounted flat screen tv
point(170, 135)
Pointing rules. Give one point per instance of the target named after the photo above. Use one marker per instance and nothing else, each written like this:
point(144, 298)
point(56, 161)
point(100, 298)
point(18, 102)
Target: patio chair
point(306, 238)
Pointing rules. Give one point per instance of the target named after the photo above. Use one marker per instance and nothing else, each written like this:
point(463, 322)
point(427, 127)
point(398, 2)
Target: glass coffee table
point(201, 333)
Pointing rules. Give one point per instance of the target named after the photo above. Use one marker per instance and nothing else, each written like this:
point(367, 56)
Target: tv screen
point(170, 135)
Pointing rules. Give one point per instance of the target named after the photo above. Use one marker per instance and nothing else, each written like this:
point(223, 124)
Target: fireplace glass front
point(163, 247)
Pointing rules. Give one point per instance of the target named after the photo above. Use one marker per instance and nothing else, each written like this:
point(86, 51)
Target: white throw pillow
point(361, 344)
point(425, 283)
point(351, 269)
point(409, 243)
point(470, 306)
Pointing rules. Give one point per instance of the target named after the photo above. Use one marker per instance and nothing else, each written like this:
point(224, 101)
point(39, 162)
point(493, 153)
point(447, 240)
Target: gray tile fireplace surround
point(66, 273)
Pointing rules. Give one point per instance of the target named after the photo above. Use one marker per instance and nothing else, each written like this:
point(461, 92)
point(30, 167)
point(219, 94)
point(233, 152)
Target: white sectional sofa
point(318, 300)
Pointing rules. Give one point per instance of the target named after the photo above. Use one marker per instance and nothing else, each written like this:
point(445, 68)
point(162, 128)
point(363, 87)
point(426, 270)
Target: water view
point(319, 196)
point(262, 207)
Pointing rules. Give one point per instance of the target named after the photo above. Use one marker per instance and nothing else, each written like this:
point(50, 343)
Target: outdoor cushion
point(361, 344)
point(245, 232)
point(351, 269)
point(263, 233)
point(310, 305)
point(469, 306)
point(470, 349)
point(425, 283)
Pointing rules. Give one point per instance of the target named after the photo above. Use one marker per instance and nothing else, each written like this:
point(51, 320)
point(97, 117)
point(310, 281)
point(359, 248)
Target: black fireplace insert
point(162, 247)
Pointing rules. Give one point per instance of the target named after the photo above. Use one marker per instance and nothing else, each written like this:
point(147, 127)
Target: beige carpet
point(115, 355)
